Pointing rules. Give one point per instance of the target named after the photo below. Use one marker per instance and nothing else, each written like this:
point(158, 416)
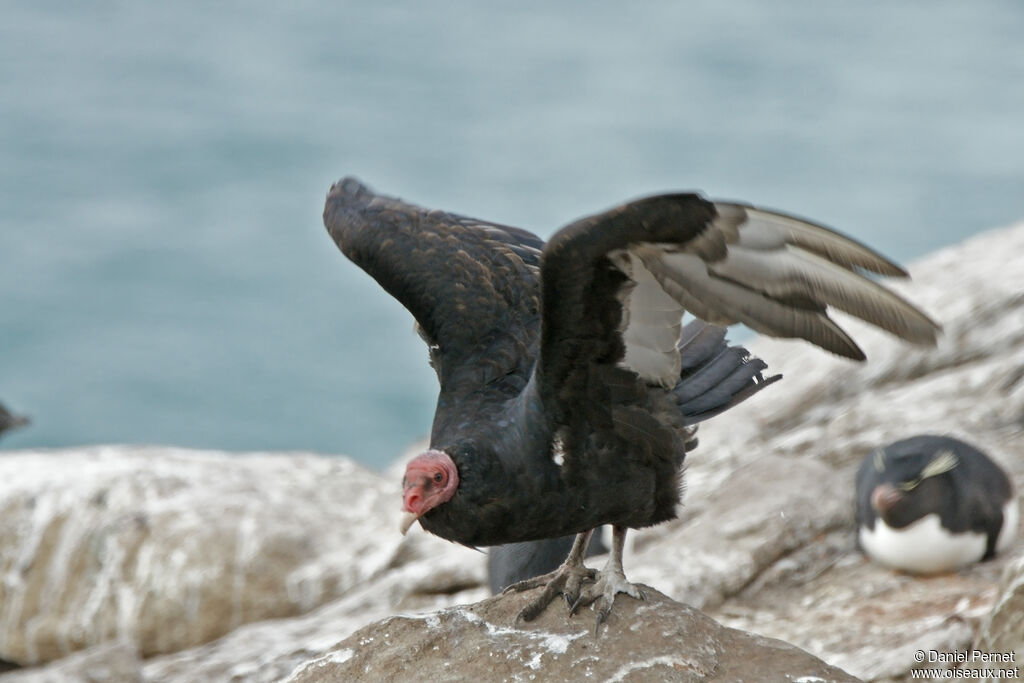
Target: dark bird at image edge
point(559, 363)
point(9, 420)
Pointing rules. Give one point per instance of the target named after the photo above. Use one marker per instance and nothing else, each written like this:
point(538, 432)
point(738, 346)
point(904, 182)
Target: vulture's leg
point(610, 581)
point(567, 580)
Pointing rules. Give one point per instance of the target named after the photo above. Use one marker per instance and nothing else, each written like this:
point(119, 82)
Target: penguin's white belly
point(1010, 518)
point(925, 547)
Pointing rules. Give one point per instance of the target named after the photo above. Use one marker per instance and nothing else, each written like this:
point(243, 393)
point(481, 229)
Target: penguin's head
point(904, 487)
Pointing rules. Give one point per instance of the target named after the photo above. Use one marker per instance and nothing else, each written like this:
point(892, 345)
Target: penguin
point(932, 504)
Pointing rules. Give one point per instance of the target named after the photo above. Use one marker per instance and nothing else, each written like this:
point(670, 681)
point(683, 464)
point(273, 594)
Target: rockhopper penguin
point(931, 504)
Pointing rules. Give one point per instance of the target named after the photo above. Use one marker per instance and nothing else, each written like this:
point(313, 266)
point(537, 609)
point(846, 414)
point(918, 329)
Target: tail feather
point(699, 342)
point(715, 376)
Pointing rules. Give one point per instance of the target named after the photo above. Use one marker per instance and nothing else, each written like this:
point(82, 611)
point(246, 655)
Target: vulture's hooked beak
point(407, 521)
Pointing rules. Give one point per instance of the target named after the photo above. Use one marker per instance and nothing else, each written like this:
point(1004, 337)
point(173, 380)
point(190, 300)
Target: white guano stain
point(663, 660)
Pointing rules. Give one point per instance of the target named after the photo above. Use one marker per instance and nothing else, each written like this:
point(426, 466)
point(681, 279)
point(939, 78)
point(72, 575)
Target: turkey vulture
point(558, 362)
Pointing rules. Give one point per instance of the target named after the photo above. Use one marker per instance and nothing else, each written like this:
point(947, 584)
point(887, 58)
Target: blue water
point(164, 274)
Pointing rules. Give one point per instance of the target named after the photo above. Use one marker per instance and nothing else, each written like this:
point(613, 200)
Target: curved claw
point(603, 592)
point(604, 607)
point(580, 601)
point(536, 606)
point(527, 584)
point(567, 580)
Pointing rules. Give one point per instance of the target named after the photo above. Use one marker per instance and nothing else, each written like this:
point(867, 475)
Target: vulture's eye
point(438, 477)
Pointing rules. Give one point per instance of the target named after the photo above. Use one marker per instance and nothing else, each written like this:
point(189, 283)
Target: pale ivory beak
point(407, 519)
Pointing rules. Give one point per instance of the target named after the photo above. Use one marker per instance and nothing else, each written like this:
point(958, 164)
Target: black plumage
point(9, 420)
point(714, 377)
point(930, 503)
point(558, 362)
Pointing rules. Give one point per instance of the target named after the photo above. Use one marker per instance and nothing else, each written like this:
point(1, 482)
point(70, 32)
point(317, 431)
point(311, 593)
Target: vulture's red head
point(430, 480)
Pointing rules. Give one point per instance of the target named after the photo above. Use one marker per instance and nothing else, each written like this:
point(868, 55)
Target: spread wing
point(615, 286)
point(471, 285)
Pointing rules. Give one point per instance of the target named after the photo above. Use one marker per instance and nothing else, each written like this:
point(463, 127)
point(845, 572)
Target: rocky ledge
point(656, 639)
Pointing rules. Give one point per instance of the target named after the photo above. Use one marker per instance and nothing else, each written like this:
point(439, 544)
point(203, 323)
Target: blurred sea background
point(164, 273)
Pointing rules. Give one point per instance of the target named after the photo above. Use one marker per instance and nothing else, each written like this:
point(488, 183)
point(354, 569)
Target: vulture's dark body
point(511, 488)
point(713, 378)
point(621, 439)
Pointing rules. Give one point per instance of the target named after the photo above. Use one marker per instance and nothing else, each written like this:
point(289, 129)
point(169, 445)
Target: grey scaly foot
point(602, 593)
point(611, 581)
point(567, 580)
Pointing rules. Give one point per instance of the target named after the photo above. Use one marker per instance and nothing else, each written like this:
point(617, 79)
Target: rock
point(761, 513)
point(435, 574)
point(652, 640)
point(765, 541)
point(169, 548)
point(1003, 630)
point(857, 615)
point(269, 651)
point(111, 662)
